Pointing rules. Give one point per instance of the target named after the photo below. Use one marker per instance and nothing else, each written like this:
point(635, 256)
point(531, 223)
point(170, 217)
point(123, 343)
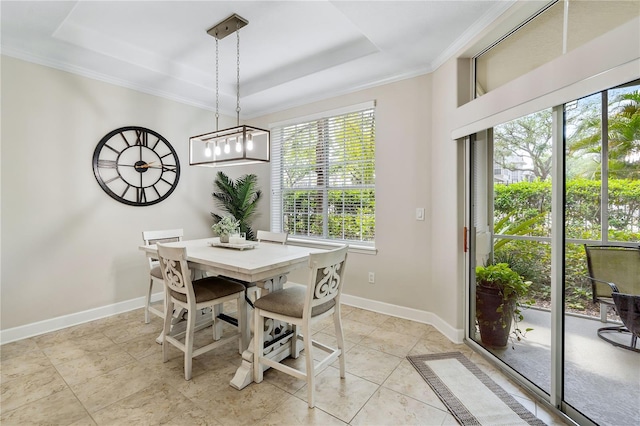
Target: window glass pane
point(583, 122)
point(324, 172)
point(624, 163)
point(522, 184)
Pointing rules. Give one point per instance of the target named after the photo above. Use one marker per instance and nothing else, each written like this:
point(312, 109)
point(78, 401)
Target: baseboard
point(53, 324)
point(453, 334)
point(46, 326)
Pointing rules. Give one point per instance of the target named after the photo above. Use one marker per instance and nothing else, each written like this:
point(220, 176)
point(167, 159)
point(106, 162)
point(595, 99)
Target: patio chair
point(614, 269)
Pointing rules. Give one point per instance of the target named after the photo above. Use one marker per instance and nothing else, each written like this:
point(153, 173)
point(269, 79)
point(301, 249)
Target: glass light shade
point(257, 148)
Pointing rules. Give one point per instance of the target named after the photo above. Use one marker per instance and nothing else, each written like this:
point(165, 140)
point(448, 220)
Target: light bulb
point(227, 149)
point(207, 150)
point(249, 142)
point(238, 145)
point(217, 149)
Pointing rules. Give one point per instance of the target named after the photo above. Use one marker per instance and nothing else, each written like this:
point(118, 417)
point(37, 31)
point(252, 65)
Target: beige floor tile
point(407, 381)
point(370, 364)
point(171, 371)
point(389, 342)
point(66, 334)
point(354, 331)
point(142, 346)
point(93, 364)
point(60, 408)
point(342, 398)
point(128, 383)
point(204, 385)
point(28, 363)
point(98, 392)
point(346, 309)
point(230, 406)
point(194, 417)
point(387, 407)
point(122, 332)
point(404, 326)
point(297, 412)
point(73, 349)
point(436, 343)
point(155, 404)
point(366, 317)
point(19, 348)
point(29, 388)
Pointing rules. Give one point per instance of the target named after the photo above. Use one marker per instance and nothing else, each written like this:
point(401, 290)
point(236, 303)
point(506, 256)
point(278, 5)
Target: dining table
point(265, 265)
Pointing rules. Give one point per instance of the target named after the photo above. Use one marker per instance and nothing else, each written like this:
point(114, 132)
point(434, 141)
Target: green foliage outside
point(530, 203)
point(329, 170)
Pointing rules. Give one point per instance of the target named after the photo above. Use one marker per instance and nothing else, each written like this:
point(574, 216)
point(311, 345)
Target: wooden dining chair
point(192, 296)
point(300, 306)
point(155, 275)
point(272, 237)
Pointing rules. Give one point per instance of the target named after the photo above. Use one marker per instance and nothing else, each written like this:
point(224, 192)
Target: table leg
point(278, 337)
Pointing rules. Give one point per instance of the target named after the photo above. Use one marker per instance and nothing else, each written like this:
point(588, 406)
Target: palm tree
point(239, 198)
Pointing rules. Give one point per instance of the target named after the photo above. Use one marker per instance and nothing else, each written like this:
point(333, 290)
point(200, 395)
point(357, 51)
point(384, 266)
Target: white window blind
point(323, 176)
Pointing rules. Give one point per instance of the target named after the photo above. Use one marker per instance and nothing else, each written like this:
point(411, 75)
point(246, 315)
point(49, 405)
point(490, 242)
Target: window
point(323, 176)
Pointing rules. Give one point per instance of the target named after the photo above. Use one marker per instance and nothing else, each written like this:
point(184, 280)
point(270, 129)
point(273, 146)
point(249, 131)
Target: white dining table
point(266, 265)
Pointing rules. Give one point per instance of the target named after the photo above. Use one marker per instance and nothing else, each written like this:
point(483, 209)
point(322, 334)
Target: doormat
point(468, 393)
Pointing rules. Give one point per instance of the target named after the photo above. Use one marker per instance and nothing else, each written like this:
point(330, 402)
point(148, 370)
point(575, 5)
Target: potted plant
point(239, 198)
point(226, 226)
point(499, 293)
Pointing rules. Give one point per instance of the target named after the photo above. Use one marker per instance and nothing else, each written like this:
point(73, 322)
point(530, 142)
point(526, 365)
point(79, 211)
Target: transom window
point(323, 176)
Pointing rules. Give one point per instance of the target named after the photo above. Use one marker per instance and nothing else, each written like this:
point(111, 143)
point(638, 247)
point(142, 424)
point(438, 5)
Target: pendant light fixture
point(237, 145)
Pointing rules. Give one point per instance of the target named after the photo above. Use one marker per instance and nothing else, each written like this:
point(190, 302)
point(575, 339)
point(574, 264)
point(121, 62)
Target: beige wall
point(66, 245)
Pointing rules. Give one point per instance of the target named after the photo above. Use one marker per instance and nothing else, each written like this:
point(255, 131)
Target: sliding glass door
point(540, 191)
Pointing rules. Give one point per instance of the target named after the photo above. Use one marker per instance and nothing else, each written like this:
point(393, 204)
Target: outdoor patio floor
point(601, 381)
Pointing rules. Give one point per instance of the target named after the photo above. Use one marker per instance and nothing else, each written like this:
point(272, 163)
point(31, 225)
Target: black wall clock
point(136, 166)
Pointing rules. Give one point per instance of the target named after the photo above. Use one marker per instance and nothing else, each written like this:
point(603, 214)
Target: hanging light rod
point(229, 26)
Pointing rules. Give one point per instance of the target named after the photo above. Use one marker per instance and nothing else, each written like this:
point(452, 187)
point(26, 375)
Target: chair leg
point(188, 344)
point(258, 345)
point(217, 323)
point(337, 320)
point(168, 316)
point(148, 302)
point(308, 356)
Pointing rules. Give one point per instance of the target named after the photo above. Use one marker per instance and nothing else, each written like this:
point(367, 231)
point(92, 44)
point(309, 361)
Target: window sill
point(353, 248)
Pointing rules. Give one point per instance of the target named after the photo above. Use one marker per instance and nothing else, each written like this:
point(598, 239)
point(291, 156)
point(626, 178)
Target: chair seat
point(290, 302)
point(156, 272)
point(210, 288)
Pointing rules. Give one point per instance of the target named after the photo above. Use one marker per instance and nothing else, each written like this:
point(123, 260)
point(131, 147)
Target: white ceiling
point(291, 53)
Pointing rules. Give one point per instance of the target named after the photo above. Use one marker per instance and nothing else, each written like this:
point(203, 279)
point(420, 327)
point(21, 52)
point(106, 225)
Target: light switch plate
point(420, 213)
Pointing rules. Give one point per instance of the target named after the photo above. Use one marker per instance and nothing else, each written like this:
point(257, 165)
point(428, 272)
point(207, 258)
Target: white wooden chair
point(272, 237)
point(155, 275)
point(300, 306)
point(192, 296)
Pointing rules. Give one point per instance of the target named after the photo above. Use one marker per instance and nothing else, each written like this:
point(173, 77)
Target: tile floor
point(110, 372)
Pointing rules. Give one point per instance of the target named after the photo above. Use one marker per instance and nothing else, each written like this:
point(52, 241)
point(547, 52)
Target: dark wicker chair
point(628, 307)
point(615, 275)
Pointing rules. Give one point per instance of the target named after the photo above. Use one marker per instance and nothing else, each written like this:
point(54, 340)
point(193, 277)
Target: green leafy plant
point(226, 225)
point(239, 198)
point(500, 279)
